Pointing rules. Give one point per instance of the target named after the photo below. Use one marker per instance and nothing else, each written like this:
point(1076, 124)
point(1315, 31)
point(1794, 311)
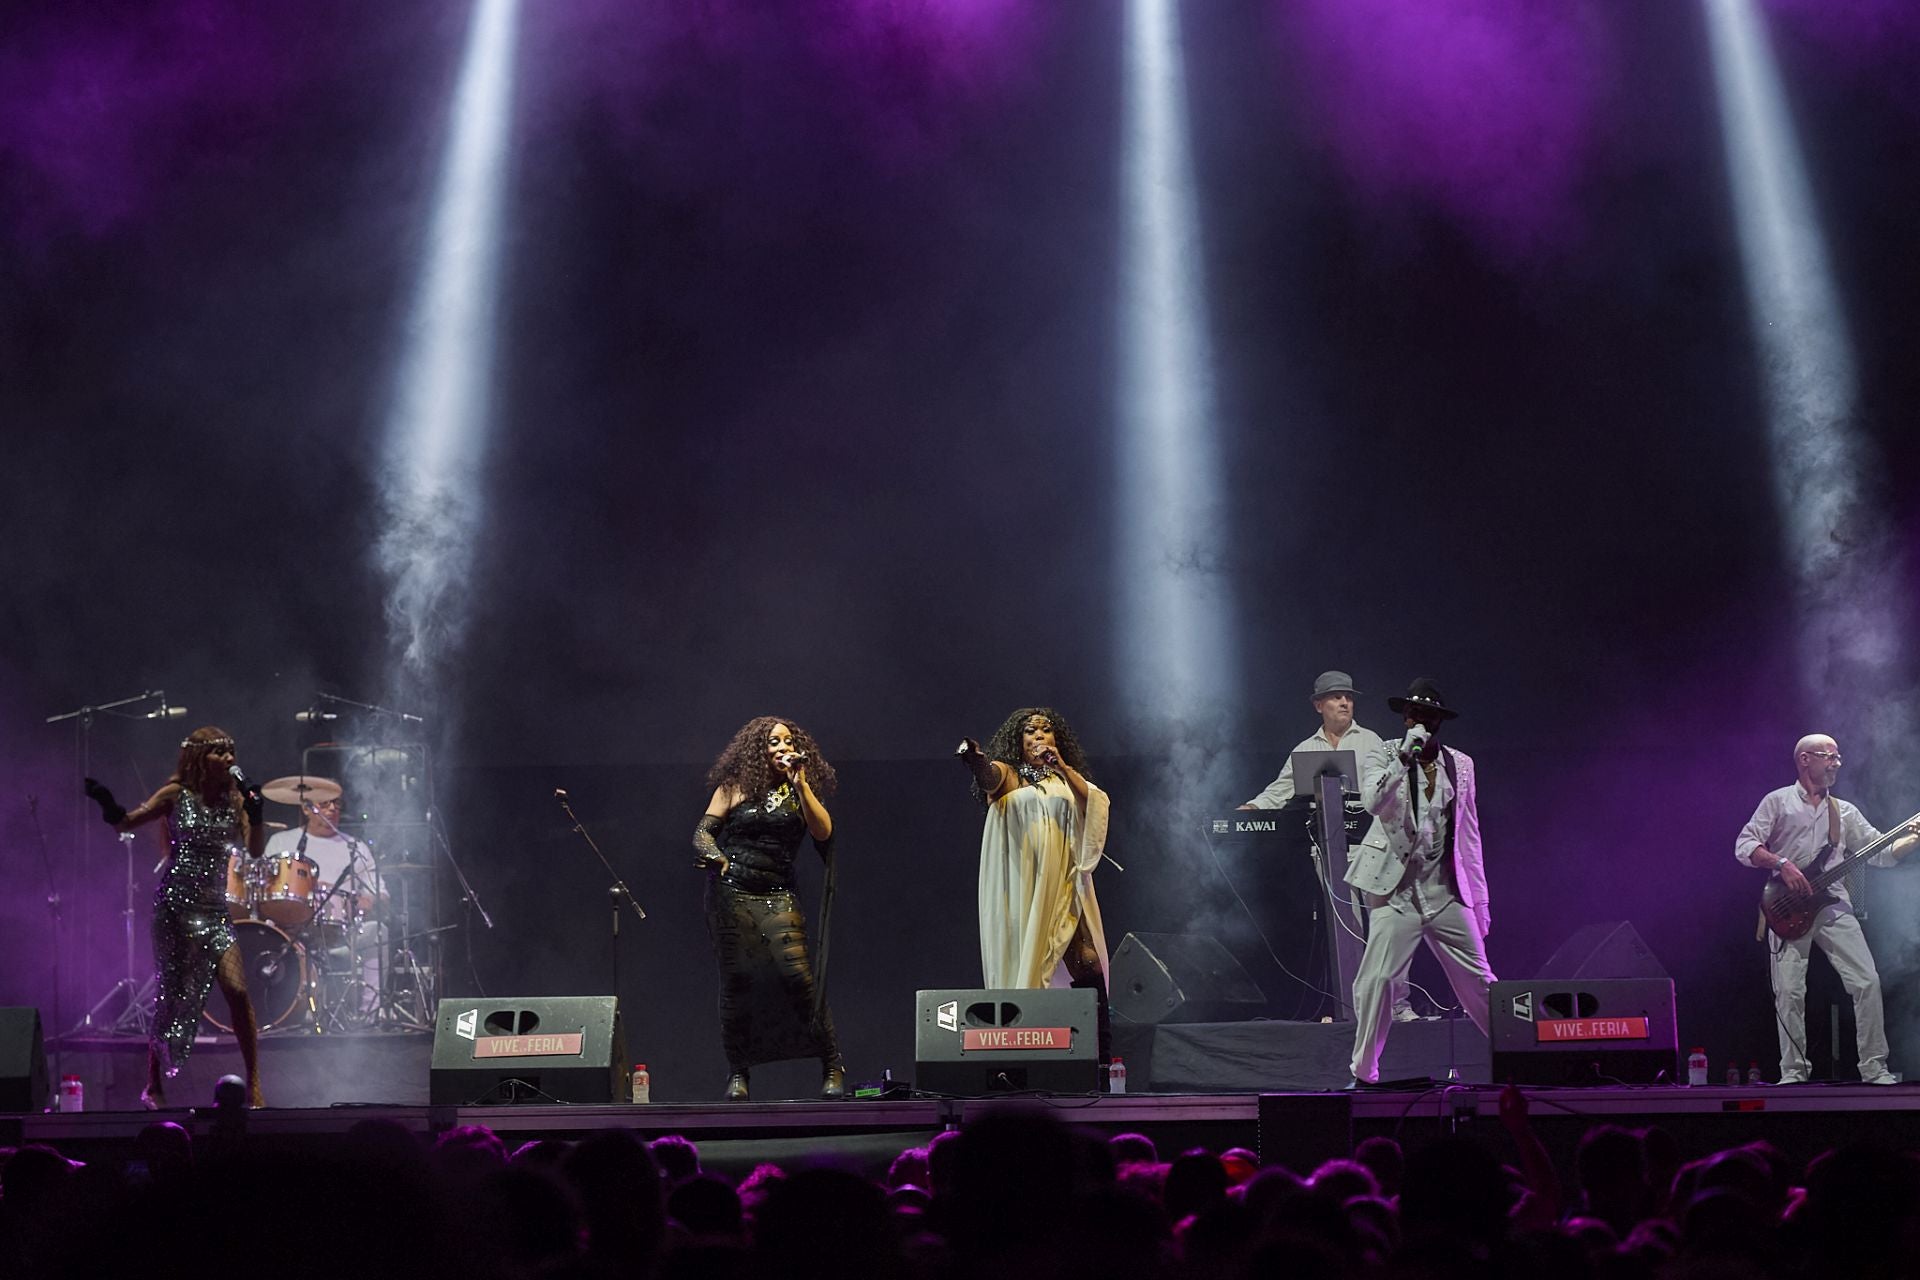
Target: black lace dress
point(768, 1010)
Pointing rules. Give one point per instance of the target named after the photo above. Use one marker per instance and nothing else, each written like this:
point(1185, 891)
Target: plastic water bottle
point(1117, 1076)
point(1733, 1073)
point(642, 1083)
point(1697, 1067)
point(1753, 1073)
point(73, 1094)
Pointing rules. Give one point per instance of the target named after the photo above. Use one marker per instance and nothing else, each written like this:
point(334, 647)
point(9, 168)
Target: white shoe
point(1405, 1013)
point(1885, 1077)
point(1796, 1079)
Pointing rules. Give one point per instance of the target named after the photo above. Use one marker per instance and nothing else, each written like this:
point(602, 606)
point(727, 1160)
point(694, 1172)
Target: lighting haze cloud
point(1174, 638)
point(437, 424)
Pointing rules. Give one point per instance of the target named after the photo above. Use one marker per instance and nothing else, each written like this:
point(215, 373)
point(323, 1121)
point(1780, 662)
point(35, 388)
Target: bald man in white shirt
point(1786, 836)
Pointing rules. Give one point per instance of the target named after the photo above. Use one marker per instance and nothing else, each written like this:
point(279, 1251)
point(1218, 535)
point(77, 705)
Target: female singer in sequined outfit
point(207, 818)
point(1045, 832)
point(767, 789)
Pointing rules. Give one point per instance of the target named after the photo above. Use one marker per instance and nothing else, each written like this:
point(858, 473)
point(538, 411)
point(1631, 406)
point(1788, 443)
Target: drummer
point(334, 854)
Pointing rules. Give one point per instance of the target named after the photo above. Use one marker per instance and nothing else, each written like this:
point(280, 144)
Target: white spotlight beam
point(1845, 566)
point(1175, 635)
point(437, 424)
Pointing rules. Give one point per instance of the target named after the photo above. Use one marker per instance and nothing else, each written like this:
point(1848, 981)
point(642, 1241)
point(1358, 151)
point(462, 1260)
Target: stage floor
point(1296, 1129)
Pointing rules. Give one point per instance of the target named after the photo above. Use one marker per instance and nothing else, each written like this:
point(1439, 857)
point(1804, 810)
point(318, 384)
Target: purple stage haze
point(109, 106)
point(902, 71)
point(1489, 108)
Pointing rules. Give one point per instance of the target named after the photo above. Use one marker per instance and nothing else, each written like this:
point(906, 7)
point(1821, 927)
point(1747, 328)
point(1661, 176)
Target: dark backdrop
point(805, 404)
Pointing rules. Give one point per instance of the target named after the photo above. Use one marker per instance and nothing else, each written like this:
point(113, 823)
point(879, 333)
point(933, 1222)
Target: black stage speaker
point(1582, 1031)
point(528, 1049)
point(1610, 949)
point(23, 1060)
point(971, 1041)
point(1179, 977)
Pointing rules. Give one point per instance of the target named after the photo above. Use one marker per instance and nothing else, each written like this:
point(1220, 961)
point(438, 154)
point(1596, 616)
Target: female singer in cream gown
point(1046, 828)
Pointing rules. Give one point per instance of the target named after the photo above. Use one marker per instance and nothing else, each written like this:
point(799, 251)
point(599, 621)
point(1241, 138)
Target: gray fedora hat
point(1334, 682)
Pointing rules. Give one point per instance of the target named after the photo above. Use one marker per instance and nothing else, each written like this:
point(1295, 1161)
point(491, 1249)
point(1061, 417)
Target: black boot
point(736, 1086)
point(833, 1077)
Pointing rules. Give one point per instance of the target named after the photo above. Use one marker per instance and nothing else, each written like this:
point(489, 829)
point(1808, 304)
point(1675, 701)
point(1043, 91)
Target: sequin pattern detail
point(190, 929)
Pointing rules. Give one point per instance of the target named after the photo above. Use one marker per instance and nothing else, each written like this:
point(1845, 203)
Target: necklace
point(779, 796)
point(1034, 775)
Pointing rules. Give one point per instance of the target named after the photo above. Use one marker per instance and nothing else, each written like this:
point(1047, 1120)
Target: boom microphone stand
point(83, 718)
point(618, 892)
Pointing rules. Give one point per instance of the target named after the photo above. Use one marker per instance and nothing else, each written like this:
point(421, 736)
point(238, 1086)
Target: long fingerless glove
point(706, 851)
point(110, 809)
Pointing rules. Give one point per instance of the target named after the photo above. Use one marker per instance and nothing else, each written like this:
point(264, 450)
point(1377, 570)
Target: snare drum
point(278, 980)
point(289, 885)
point(339, 918)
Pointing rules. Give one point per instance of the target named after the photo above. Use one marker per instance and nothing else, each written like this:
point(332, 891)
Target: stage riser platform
point(1254, 1057)
point(297, 1071)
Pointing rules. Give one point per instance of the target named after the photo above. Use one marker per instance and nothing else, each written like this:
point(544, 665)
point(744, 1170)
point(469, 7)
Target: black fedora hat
point(1423, 693)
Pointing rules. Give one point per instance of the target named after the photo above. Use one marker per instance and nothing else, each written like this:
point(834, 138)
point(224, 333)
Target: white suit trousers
point(1393, 931)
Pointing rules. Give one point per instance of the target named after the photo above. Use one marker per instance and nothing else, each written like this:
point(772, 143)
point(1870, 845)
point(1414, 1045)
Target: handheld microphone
point(246, 784)
point(1049, 759)
point(1415, 742)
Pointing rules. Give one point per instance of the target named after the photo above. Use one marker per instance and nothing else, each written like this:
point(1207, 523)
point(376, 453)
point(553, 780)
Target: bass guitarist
point(1798, 833)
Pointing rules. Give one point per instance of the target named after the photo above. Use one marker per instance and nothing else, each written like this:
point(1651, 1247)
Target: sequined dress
point(190, 929)
point(760, 939)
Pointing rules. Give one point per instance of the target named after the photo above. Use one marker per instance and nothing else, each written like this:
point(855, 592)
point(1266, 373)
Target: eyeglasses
point(1826, 755)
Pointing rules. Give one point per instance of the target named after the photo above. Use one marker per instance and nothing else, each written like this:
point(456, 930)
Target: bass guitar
point(1791, 914)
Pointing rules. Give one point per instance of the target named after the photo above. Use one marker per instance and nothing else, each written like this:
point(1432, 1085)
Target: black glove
point(255, 806)
point(110, 809)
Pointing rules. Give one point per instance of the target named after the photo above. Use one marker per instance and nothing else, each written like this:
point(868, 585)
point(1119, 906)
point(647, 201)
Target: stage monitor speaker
point(528, 1049)
point(971, 1041)
point(23, 1060)
point(1179, 977)
point(1610, 949)
point(1584, 1031)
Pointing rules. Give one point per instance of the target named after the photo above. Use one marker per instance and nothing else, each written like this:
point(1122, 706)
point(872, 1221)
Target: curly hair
point(1004, 745)
point(194, 771)
point(745, 767)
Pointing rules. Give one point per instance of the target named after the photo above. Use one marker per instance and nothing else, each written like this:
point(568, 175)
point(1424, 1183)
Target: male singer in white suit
point(1421, 871)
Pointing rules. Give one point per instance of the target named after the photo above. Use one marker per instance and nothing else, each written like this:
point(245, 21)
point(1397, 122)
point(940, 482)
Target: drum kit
point(326, 956)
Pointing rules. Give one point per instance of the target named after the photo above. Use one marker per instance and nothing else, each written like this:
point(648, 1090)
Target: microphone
point(165, 712)
point(560, 792)
point(305, 717)
point(1049, 759)
point(246, 784)
point(1414, 742)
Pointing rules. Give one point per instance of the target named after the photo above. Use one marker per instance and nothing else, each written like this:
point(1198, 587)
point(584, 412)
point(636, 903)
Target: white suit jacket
point(1380, 862)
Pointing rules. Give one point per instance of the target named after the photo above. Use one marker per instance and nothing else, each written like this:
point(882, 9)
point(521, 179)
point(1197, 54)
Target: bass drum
point(278, 978)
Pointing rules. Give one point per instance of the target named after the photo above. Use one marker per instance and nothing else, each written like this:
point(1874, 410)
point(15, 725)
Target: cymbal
point(389, 867)
point(276, 826)
point(378, 757)
point(296, 788)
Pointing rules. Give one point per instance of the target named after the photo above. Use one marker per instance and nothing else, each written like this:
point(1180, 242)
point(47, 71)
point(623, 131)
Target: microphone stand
point(82, 718)
point(53, 916)
point(617, 892)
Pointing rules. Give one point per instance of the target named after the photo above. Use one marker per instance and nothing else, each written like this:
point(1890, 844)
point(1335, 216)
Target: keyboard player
point(1333, 698)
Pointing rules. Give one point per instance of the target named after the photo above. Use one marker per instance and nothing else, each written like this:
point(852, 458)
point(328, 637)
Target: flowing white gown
point(1037, 855)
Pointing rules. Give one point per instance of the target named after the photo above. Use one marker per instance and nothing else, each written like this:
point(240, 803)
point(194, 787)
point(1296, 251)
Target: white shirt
point(330, 853)
point(1794, 825)
point(1357, 739)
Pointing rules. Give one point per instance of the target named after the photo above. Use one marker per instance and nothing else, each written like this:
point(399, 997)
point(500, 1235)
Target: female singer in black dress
point(208, 816)
point(767, 789)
